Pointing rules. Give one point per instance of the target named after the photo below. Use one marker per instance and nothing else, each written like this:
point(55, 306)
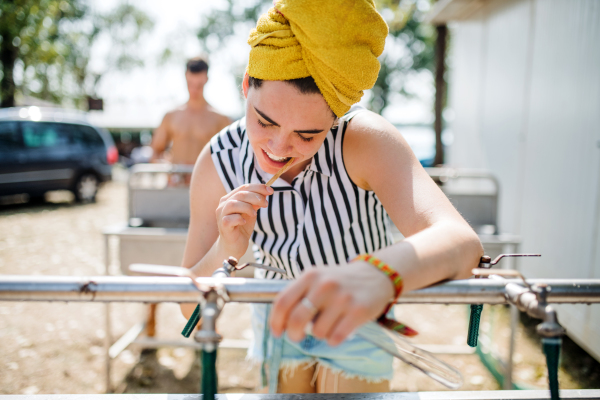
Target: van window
point(44, 134)
point(86, 136)
point(10, 139)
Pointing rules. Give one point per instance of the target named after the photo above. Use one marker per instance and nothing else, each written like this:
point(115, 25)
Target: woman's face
point(281, 123)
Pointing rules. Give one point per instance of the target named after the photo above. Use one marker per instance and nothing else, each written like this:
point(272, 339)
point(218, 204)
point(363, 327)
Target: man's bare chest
point(193, 127)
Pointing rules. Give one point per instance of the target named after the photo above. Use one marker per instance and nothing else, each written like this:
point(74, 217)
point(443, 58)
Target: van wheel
point(86, 188)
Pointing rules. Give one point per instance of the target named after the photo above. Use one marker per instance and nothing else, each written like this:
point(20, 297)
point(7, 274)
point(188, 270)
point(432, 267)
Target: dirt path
point(57, 347)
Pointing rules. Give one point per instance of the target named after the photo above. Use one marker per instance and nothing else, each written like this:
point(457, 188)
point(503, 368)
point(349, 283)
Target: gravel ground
point(58, 347)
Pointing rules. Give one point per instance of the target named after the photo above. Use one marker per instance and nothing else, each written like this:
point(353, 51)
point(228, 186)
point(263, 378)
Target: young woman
point(310, 61)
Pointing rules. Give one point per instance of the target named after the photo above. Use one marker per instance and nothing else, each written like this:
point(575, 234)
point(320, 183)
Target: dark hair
point(197, 64)
point(304, 85)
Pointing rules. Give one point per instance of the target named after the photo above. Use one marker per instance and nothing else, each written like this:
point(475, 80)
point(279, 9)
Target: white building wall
point(525, 88)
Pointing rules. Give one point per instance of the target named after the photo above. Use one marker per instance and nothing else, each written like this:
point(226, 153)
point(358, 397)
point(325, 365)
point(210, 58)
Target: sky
point(141, 97)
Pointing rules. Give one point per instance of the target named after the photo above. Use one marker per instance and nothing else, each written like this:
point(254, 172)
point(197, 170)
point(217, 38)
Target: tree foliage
point(409, 47)
point(45, 47)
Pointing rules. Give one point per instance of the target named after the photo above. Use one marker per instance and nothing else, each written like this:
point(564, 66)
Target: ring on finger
point(309, 305)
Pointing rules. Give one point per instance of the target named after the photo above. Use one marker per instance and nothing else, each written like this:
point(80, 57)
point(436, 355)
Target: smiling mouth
point(276, 158)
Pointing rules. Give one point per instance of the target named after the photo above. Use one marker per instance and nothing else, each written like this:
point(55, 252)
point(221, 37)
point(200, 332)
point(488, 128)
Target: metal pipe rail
point(181, 290)
point(586, 394)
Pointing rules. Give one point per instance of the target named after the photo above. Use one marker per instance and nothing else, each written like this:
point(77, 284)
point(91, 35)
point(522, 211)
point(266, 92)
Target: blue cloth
point(355, 357)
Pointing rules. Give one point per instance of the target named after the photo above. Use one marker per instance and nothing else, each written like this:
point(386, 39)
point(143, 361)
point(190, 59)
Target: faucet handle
point(488, 259)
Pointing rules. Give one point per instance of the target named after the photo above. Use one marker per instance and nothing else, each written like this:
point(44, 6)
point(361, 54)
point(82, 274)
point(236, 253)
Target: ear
point(245, 85)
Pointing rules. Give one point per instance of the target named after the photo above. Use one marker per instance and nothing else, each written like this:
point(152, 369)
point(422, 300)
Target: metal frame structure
point(142, 289)
point(531, 296)
point(155, 232)
point(475, 194)
point(466, 189)
point(588, 394)
point(152, 243)
point(159, 202)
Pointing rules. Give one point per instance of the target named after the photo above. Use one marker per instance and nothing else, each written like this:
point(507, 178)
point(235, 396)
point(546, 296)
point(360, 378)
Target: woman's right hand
point(236, 216)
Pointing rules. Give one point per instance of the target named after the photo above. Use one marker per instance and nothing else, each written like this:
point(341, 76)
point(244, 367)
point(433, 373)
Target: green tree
point(410, 45)
point(45, 48)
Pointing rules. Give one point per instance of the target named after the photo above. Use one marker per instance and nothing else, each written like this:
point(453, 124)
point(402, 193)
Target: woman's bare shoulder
point(373, 145)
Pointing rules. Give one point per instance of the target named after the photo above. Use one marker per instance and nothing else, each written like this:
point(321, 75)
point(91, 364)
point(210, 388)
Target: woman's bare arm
point(221, 223)
point(439, 243)
point(205, 191)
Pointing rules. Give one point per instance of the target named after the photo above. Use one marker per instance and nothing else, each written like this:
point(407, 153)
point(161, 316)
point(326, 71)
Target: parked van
point(44, 149)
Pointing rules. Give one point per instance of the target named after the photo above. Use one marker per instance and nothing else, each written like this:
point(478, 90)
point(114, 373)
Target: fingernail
point(270, 190)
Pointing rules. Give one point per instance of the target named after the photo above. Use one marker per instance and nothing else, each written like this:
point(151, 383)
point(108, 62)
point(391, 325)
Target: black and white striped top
point(321, 218)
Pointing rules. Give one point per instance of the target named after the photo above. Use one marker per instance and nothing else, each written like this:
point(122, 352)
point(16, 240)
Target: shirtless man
point(189, 127)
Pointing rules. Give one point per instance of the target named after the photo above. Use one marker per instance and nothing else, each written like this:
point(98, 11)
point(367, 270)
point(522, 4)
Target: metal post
point(107, 326)
point(514, 320)
point(209, 338)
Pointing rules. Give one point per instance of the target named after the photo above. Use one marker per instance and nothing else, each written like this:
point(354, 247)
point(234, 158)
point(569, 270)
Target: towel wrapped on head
point(336, 42)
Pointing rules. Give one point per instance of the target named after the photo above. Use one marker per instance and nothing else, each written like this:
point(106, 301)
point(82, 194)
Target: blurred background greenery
point(70, 53)
point(46, 45)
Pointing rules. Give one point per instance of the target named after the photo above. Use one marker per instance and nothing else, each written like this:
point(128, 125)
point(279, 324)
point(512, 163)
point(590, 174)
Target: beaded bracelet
point(398, 285)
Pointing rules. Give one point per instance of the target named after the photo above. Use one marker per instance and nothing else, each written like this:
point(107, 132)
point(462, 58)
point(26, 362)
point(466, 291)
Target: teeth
point(275, 158)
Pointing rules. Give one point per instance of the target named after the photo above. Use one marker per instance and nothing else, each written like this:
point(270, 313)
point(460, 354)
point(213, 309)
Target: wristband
point(386, 269)
point(398, 285)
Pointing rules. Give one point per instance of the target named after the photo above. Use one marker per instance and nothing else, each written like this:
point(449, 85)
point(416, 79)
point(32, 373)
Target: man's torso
point(190, 130)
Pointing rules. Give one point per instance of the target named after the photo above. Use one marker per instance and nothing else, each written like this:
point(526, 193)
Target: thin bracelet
point(396, 279)
point(386, 269)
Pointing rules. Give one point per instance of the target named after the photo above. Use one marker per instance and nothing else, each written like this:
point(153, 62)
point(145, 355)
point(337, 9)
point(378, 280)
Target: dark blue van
point(44, 149)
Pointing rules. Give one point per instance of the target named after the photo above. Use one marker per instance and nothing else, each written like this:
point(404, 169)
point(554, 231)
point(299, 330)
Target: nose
point(280, 145)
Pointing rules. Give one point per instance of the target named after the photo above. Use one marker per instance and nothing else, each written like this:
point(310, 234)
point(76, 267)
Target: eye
point(263, 124)
point(305, 139)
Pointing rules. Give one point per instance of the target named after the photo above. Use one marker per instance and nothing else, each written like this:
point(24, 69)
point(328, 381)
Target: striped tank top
point(322, 218)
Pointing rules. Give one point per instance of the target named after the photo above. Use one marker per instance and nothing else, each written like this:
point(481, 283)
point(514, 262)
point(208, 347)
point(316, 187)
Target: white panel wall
point(525, 86)
point(502, 116)
point(465, 61)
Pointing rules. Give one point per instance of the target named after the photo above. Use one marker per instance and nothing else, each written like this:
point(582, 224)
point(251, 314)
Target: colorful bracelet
point(386, 269)
point(398, 285)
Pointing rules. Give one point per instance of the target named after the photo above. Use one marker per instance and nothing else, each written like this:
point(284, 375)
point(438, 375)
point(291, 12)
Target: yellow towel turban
point(337, 42)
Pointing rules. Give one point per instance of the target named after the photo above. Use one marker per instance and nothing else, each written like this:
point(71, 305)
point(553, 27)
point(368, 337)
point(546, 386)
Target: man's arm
point(160, 139)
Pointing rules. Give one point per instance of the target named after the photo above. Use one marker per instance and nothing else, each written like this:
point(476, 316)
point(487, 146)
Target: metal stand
point(501, 369)
point(151, 245)
point(533, 300)
point(209, 338)
point(531, 296)
point(107, 325)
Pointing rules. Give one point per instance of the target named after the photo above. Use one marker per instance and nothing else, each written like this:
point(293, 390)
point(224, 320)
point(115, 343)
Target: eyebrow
point(307, 131)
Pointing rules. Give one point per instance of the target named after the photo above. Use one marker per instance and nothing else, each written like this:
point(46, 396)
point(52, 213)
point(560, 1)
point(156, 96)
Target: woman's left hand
point(343, 299)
